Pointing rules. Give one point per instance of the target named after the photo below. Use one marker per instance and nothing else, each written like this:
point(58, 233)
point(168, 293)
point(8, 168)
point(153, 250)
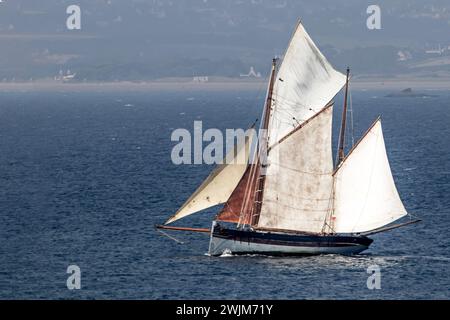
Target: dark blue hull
point(224, 240)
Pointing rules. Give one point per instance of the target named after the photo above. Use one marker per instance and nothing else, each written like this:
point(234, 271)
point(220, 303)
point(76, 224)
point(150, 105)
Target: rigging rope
point(170, 237)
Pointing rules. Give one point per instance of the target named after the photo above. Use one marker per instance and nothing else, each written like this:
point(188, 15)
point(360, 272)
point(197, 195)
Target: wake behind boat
point(291, 199)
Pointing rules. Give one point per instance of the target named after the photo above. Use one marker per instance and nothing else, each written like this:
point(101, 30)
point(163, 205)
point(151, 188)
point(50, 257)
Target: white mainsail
point(299, 182)
point(365, 194)
point(306, 82)
point(219, 185)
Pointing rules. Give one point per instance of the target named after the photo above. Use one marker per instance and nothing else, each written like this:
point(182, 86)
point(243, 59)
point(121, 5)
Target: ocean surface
point(85, 176)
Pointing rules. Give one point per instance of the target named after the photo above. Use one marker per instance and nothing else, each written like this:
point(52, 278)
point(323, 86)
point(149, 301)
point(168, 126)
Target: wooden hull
point(239, 242)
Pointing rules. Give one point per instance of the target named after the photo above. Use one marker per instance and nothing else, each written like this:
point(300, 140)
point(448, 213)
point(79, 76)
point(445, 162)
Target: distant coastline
point(219, 84)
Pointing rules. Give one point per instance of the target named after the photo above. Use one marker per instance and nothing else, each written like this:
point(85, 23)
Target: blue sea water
point(84, 177)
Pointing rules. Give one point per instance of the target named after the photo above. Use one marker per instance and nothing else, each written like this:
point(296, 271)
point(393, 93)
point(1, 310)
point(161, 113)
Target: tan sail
point(298, 188)
point(306, 82)
point(220, 184)
point(365, 194)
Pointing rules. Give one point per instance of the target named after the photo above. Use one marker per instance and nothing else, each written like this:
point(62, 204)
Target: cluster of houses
point(251, 74)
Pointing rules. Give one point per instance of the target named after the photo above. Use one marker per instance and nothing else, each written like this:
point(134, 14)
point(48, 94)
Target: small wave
point(410, 169)
point(129, 105)
point(437, 258)
point(229, 254)
point(334, 262)
point(226, 253)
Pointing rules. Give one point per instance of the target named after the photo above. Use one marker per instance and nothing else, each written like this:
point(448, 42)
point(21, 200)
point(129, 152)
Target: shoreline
point(392, 84)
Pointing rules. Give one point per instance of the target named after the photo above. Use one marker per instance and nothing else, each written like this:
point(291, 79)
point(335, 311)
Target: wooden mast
point(263, 152)
point(343, 123)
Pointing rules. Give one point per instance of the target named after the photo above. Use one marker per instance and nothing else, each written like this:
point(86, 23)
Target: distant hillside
point(150, 39)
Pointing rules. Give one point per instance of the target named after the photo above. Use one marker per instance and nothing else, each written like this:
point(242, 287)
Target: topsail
point(306, 83)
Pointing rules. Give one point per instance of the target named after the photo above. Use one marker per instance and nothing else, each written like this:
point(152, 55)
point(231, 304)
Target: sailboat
point(294, 199)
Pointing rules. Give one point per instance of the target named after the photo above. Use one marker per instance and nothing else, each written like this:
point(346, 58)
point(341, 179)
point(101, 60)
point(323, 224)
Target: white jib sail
point(299, 182)
point(365, 194)
point(306, 82)
point(219, 185)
